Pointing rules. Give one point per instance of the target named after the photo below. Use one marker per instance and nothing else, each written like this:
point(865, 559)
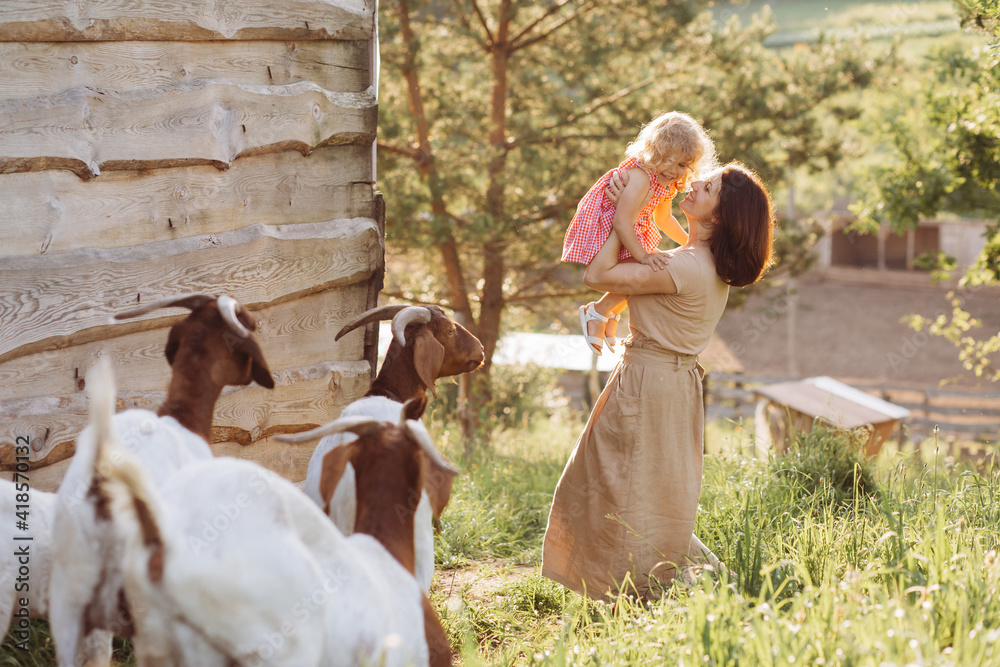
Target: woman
point(624, 509)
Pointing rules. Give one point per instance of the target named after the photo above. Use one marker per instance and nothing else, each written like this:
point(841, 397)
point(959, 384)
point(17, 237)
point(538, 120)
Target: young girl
point(663, 159)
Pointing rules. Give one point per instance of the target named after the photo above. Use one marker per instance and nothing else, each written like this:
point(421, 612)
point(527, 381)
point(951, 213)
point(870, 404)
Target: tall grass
point(829, 559)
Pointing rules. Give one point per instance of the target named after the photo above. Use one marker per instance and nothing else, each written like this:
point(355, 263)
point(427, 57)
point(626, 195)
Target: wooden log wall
point(160, 147)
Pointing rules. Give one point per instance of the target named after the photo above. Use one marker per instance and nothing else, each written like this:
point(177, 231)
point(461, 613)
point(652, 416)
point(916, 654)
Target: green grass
point(828, 559)
point(505, 496)
point(42, 652)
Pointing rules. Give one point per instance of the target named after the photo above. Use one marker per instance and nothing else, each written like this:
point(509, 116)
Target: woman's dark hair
point(742, 239)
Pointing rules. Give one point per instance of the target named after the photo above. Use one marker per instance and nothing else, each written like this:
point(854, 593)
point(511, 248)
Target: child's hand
point(656, 260)
point(616, 185)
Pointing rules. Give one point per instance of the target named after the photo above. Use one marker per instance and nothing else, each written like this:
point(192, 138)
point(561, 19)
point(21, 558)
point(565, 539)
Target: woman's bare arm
point(606, 274)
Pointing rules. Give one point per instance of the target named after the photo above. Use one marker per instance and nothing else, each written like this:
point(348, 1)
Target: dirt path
point(479, 580)
point(851, 331)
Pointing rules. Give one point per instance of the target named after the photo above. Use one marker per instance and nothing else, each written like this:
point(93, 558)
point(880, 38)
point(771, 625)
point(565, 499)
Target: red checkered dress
point(593, 222)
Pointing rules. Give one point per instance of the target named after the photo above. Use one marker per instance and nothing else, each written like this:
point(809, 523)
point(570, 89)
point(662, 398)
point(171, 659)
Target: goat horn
point(228, 307)
point(191, 301)
point(373, 315)
point(406, 316)
point(360, 426)
point(419, 433)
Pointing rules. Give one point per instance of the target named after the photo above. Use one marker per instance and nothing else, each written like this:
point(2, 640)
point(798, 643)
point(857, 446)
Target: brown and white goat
point(394, 465)
point(211, 348)
point(426, 345)
point(226, 564)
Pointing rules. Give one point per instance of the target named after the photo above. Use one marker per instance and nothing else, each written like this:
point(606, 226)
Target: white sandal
point(589, 314)
point(610, 340)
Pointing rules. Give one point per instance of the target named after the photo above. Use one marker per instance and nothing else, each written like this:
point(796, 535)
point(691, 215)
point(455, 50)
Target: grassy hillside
point(885, 17)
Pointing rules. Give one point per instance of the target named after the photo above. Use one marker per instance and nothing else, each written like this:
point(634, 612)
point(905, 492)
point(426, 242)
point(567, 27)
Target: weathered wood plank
point(67, 299)
point(90, 131)
point(39, 69)
point(123, 20)
point(302, 398)
point(289, 461)
point(43, 479)
point(292, 334)
point(54, 211)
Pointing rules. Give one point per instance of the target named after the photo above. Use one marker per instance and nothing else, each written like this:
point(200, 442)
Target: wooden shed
point(787, 407)
point(159, 147)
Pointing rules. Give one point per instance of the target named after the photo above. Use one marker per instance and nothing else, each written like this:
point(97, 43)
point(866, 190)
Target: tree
point(947, 158)
point(497, 115)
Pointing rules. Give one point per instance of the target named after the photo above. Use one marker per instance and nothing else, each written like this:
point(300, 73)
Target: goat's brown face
point(388, 465)
point(206, 342)
point(463, 351)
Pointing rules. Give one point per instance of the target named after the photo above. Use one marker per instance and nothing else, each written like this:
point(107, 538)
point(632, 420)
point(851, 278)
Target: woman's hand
point(655, 260)
point(604, 273)
point(616, 185)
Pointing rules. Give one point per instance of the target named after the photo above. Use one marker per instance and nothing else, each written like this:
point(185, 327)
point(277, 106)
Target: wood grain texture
point(289, 461)
point(68, 299)
point(90, 131)
point(54, 211)
point(43, 479)
point(303, 398)
point(45, 69)
point(123, 20)
point(292, 334)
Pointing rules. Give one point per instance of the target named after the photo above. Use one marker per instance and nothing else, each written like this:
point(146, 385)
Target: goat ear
point(428, 355)
point(437, 481)
point(334, 463)
point(414, 408)
point(173, 344)
point(258, 369)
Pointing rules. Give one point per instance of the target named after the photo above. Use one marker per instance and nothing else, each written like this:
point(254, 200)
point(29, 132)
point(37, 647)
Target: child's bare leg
point(610, 305)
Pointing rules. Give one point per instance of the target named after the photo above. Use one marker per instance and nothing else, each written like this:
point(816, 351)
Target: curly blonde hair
point(674, 137)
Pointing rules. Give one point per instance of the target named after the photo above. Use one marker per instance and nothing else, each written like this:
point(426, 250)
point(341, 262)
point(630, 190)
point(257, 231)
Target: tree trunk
point(479, 391)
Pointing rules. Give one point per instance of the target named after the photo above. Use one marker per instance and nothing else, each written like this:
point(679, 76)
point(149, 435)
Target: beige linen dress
point(625, 506)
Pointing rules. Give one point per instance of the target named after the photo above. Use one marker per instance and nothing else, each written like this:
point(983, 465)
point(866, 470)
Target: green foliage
point(827, 465)
point(947, 158)
point(496, 117)
point(980, 15)
point(946, 148)
point(977, 355)
point(521, 394)
point(940, 265)
point(774, 109)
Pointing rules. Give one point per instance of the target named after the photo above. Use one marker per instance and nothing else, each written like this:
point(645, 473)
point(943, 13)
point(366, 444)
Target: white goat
point(229, 564)
point(209, 349)
point(31, 547)
point(435, 347)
